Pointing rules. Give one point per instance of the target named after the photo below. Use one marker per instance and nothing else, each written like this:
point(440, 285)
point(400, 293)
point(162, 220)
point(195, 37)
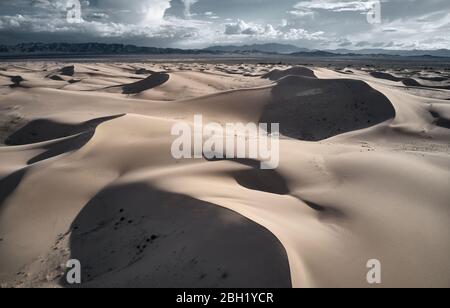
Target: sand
point(86, 173)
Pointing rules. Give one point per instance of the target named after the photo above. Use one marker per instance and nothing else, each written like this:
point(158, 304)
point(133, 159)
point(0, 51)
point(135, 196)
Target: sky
point(314, 24)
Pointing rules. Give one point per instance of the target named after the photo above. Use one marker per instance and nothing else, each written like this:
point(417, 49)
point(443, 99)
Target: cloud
point(149, 25)
point(172, 23)
point(211, 15)
point(241, 27)
point(302, 34)
point(187, 7)
point(301, 13)
point(266, 32)
point(334, 6)
point(155, 9)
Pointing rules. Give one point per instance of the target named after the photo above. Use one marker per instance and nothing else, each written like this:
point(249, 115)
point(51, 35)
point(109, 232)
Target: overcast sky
point(321, 24)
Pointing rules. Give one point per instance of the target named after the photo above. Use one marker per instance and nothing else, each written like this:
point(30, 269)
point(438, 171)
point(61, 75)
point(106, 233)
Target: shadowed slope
point(136, 236)
point(64, 146)
point(9, 184)
point(45, 130)
point(315, 109)
point(410, 82)
point(294, 71)
point(148, 83)
point(440, 120)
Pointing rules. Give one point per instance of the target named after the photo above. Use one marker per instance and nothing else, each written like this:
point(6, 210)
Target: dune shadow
point(325, 213)
point(16, 80)
point(9, 184)
point(144, 71)
point(440, 121)
point(316, 109)
point(436, 79)
point(44, 130)
point(409, 82)
point(56, 78)
point(276, 74)
point(269, 181)
point(148, 83)
point(385, 76)
point(68, 70)
point(255, 178)
point(137, 236)
point(64, 146)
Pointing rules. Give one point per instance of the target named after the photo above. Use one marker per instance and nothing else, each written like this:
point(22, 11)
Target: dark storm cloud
point(198, 23)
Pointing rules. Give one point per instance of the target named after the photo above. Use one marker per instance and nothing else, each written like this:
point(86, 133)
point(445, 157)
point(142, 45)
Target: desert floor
point(86, 173)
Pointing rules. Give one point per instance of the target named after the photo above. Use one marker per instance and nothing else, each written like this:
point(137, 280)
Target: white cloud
point(301, 13)
point(302, 34)
point(241, 27)
point(211, 15)
point(312, 24)
point(334, 5)
point(187, 7)
point(269, 32)
point(154, 10)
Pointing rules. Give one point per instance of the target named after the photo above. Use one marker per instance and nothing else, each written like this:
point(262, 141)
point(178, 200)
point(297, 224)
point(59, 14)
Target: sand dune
point(314, 109)
point(138, 238)
point(150, 82)
point(411, 82)
point(45, 130)
point(88, 174)
point(294, 71)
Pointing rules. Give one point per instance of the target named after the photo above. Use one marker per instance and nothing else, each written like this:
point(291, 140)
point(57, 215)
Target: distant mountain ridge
point(404, 53)
point(297, 51)
point(264, 48)
point(88, 48)
point(271, 48)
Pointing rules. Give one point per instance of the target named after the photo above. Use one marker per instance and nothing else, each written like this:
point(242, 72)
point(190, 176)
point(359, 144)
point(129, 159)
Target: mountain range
point(264, 48)
point(271, 48)
point(294, 50)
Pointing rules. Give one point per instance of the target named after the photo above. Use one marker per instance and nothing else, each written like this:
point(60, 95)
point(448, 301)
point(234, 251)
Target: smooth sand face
point(87, 173)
